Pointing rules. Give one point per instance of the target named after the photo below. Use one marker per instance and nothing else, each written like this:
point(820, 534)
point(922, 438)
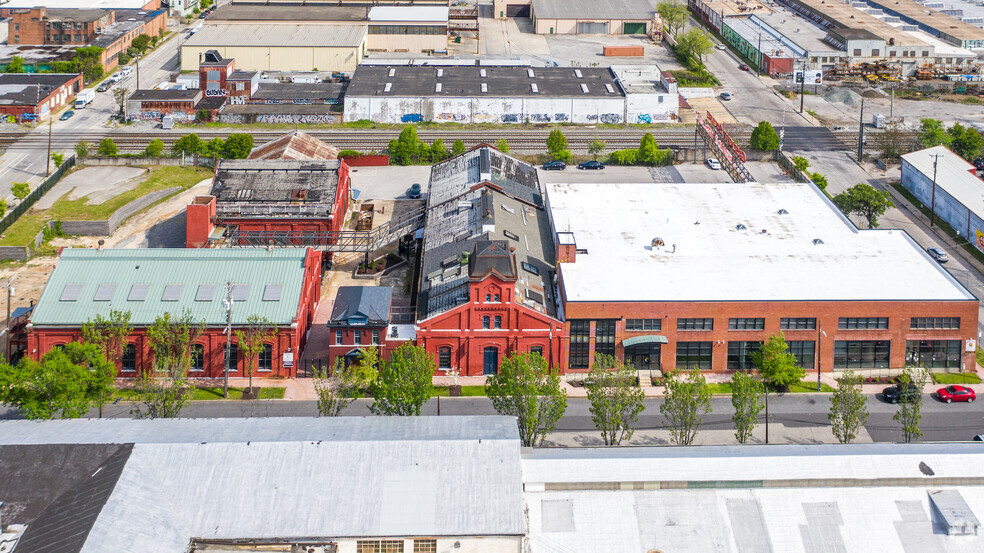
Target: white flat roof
point(953, 174)
point(100, 4)
point(707, 258)
point(409, 13)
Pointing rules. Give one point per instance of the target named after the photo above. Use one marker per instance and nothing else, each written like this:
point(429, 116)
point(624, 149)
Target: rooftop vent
point(388, 87)
point(783, 212)
point(534, 89)
point(440, 73)
point(957, 517)
point(584, 88)
point(577, 73)
point(740, 226)
point(485, 87)
point(482, 73)
point(609, 88)
point(437, 87)
point(392, 72)
point(817, 241)
point(530, 74)
point(299, 194)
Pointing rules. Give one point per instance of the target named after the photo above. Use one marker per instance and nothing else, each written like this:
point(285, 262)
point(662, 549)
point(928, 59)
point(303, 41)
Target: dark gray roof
point(73, 14)
point(233, 12)
point(300, 91)
point(257, 181)
point(123, 25)
point(593, 9)
point(500, 81)
point(212, 58)
point(453, 177)
point(372, 302)
point(154, 95)
point(846, 33)
point(20, 89)
point(240, 75)
point(53, 80)
point(491, 256)
point(211, 102)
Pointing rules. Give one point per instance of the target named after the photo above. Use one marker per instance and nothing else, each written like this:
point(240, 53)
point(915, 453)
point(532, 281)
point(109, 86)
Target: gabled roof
point(484, 164)
point(150, 282)
point(294, 145)
point(276, 181)
point(371, 302)
point(491, 256)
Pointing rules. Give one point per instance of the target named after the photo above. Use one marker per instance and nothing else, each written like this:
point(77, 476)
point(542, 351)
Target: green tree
point(909, 412)
point(746, 398)
point(110, 335)
point(162, 389)
point(404, 383)
point(238, 146)
point(595, 147)
point(155, 148)
point(141, 42)
point(764, 137)
point(557, 146)
point(819, 180)
point(3, 207)
point(648, 150)
point(64, 383)
point(214, 148)
point(894, 140)
point(120, 95)
point(57, 158)
point(82, 149)
point(801, 163)
point(252, 340)
point(502, 145)
point(406, 149)
point(361, 375)
point(965, 141)
point(438, 152)
point(332, 389)
point(187, 144)
point(20, 190)
point(107, 147)
point(527, 389)
point(694, 44)
point(615, 399)
point(674, 15)
point(933, 133)
point(16, 65)
point(865, 201)
point(848, 408)
point(457, 148)
point(87, 60)
point(776, 365)
point(686, 401)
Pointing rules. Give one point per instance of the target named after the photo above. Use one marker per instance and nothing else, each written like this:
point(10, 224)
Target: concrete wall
point(407, 43)
point(560, 26)
point(108, 226)
point(486, 110)
point(468, 544)
point(651, 108)
point(948, 208)
point(265, 58)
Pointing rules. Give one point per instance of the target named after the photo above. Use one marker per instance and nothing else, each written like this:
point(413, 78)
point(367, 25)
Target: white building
point(958, 193)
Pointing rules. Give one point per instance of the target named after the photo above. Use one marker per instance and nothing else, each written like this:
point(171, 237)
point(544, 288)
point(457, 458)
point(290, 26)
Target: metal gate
point(517, 10)
point(592, 27)
point(634, 28)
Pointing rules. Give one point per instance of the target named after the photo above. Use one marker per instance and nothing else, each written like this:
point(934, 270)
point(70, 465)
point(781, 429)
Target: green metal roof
point(88, 282)
point(647, 339)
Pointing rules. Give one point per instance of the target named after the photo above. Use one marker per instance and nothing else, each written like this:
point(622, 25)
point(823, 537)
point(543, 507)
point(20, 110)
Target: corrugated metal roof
point(593, 9)
point(279, 35)
point(160, 269)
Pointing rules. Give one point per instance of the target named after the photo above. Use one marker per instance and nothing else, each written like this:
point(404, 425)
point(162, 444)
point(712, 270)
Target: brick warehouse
point(36, 95)
point(702, 274)
point(281, 285)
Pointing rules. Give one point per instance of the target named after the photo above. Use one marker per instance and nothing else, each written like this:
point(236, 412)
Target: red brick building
point(282, 286)
point(360, 318)
point(486, 287)
point(682, 275)
point(56, 27)
point(35, 95)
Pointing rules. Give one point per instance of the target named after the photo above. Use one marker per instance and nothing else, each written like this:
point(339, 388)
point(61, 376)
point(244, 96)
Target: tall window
point(197, 358)
point(339, 337)
point(486, 321)
point(580, 344)
point(805, 351)
point(694, 354)
point(497, 321)
point(444, 357)
point(746, 324)
point(605, 337)
point(379, 546)
point(266, 358)
point(933, 354)
point(129, 362)
point(862, 323)
point(232, 358)
point(375, 337)
point(861, 354)
point(357, 337)
point(740, 355)
point(798, 323)
point(424, 546)
point(695, 324)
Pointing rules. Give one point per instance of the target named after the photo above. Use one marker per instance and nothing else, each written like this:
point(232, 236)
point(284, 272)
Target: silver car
point(937, 254)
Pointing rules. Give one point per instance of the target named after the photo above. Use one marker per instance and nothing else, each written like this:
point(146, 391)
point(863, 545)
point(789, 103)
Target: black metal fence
point(36, 194)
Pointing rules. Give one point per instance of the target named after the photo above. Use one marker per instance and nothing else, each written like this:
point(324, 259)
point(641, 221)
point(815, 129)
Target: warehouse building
point(283, 286)
point(705, 273)
point(508, 94)
point(945, 27)
point(279, 47)
point(33, 96)
point(592, 17)
point(768, 50)
point(956, 194)
point(154, 104)
point(148, 5)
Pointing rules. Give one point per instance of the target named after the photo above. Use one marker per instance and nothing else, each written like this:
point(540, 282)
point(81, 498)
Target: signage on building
point(216, 92)
point(970, 346)
point(813, 76)
point(288, 359)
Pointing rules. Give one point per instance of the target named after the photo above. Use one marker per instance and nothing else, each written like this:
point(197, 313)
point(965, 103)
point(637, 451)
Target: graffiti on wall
point(231, 118)
point(411, 118)
point(511, 117)
point(319, 118)
point(611, 117)
point(561, 117)
point(538, 118)
point(644, 118)
point(446, 116)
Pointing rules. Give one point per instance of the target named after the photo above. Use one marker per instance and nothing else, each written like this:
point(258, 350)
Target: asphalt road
point(940, 422)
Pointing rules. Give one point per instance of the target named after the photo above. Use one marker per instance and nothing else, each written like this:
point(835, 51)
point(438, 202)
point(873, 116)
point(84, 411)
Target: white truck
point(84, 98)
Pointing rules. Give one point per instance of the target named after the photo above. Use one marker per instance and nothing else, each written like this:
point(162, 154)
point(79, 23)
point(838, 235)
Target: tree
point(502, 145)
point(457, 148)
point(363, 374)
point(155, 148)
point(595, 147)
point(404, 383)
point(57, 158)
point(819, 180)
point(438, 152)
point(110, 335)
point(213, 148)
point(203, 116)
point(331, 389)
point(648, 150)
point(252, 340)
point(932, 133)
point(81, 149)
point(107, 147)
point(674, 15)
point(3, 207)
point(163, 387)
point(120, 94)
point(20, 190)
point(526, 388)
point(965, 141)
point(801, 163)
point(865, 201)
point(694, 44)
point(848, 409)
point(746, 392)
point(909, 412)
point(557, 146)
point(87, 60)
point(187, 144)
point(776, 365)
point(141, 42)
point(16, 65)
point(406, 149)
point(764, 137)
point(64, 383)
point(686, 401)
point(894, 140)
point(238, 146)
point(615, 399)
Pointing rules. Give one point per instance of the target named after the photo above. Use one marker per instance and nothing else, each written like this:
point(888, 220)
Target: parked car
point(897, 393)
point(555, 165)
point(979, 163)
point(203, 15)
point(937, 254)
point(104, 87)
point(949, 394)
point(126, 70)
point(116, 77)
point(593, 164)
point(414, 191)
point(66, 116)
point(979, 438)
point(720, 46)
point(725, 96)
point(743, 67)
point(713, 163)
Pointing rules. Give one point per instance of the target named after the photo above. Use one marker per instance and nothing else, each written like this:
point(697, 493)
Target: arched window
point(498, 321)
point(266, 358)
point(444, 357)
point(537, 350)
point(197, 358)
point(485, 321)
point(495, 298)
point(129, 361)
point(488, 298)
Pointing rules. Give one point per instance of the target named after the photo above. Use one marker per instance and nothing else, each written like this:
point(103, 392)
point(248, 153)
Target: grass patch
point(813, 114)
point(971, 249)
point(719, 387)
point(956, 378)
point(980, 356)
point(466, 391)
point(972, 100)
point(806, 387)
point(205, 394)
point(686, 77)
point(29, 225)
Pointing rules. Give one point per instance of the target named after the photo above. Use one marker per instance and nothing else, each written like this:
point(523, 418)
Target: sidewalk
point(779, 433)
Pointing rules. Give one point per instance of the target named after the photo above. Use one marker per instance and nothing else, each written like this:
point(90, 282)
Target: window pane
point(694, 354)
point(605, 337)
point(579, 344)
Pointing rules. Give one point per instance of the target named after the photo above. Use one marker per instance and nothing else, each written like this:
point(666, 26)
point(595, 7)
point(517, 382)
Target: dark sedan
point(897, 393)
point(593, 164)
point(555, 165)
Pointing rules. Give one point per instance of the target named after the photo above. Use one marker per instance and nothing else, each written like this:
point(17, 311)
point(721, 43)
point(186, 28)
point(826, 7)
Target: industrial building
point(592, 17)
point(283, 286)
point(945, 27)
point(510, 94)
point(279, 47)
point(296, 145)
point(180, 104)
point(950, 186)
point(81, 4)
point(768, 50)
point(705, 273)
point(361, 316)
point(33, 96)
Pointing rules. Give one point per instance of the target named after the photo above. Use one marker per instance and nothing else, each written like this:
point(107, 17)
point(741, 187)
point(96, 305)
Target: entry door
point(490, 363)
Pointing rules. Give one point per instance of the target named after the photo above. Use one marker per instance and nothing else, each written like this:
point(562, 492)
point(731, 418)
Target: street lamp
point(820, 333)
point(10, 293)
point(227, 303)
point(932, 207)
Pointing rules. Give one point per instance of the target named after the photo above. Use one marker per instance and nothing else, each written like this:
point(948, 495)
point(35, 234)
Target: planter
point(454, 391)
point(379, 267)
point(251, 393)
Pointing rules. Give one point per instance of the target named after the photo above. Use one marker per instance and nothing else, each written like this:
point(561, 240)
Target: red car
point(743, 67)
point(950, 394)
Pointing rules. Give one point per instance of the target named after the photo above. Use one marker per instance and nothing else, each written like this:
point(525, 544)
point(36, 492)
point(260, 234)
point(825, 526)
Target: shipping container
point(624, 51)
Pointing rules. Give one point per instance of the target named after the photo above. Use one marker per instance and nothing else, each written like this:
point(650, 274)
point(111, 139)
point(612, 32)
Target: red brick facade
point(49, 104)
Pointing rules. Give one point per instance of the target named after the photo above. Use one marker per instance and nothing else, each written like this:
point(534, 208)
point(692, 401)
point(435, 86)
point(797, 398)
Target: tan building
point(280, 46)
point(592, 17)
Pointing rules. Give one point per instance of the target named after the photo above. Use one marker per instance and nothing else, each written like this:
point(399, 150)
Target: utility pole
point(802, 84)
point(932, 207)
point(47, 165)
point(861, 133)
point(10, 293)
point(759, 62)
point(766, 387)
point(819, 333)
point(891, 107)
point(228, 348)
point(136, 60)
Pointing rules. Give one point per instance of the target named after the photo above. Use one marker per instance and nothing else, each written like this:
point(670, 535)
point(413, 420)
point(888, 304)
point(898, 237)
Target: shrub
point(819, 180)
point(107, 147)
point(20, 190)
point(57, 158)
point(155, 148)
point(623, 157)
point(765, 137)
point(349, 154)
point(81, 149)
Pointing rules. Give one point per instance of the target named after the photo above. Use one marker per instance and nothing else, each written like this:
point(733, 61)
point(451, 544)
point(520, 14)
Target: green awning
point(648, 339)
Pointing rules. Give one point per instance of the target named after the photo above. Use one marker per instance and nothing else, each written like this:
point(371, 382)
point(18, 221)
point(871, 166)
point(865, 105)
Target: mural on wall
point(411, 118)
point(644, 118)
point(979, 242)
point(320, 118)
point(445, 116)
point(611, 117)
point(561, 117)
